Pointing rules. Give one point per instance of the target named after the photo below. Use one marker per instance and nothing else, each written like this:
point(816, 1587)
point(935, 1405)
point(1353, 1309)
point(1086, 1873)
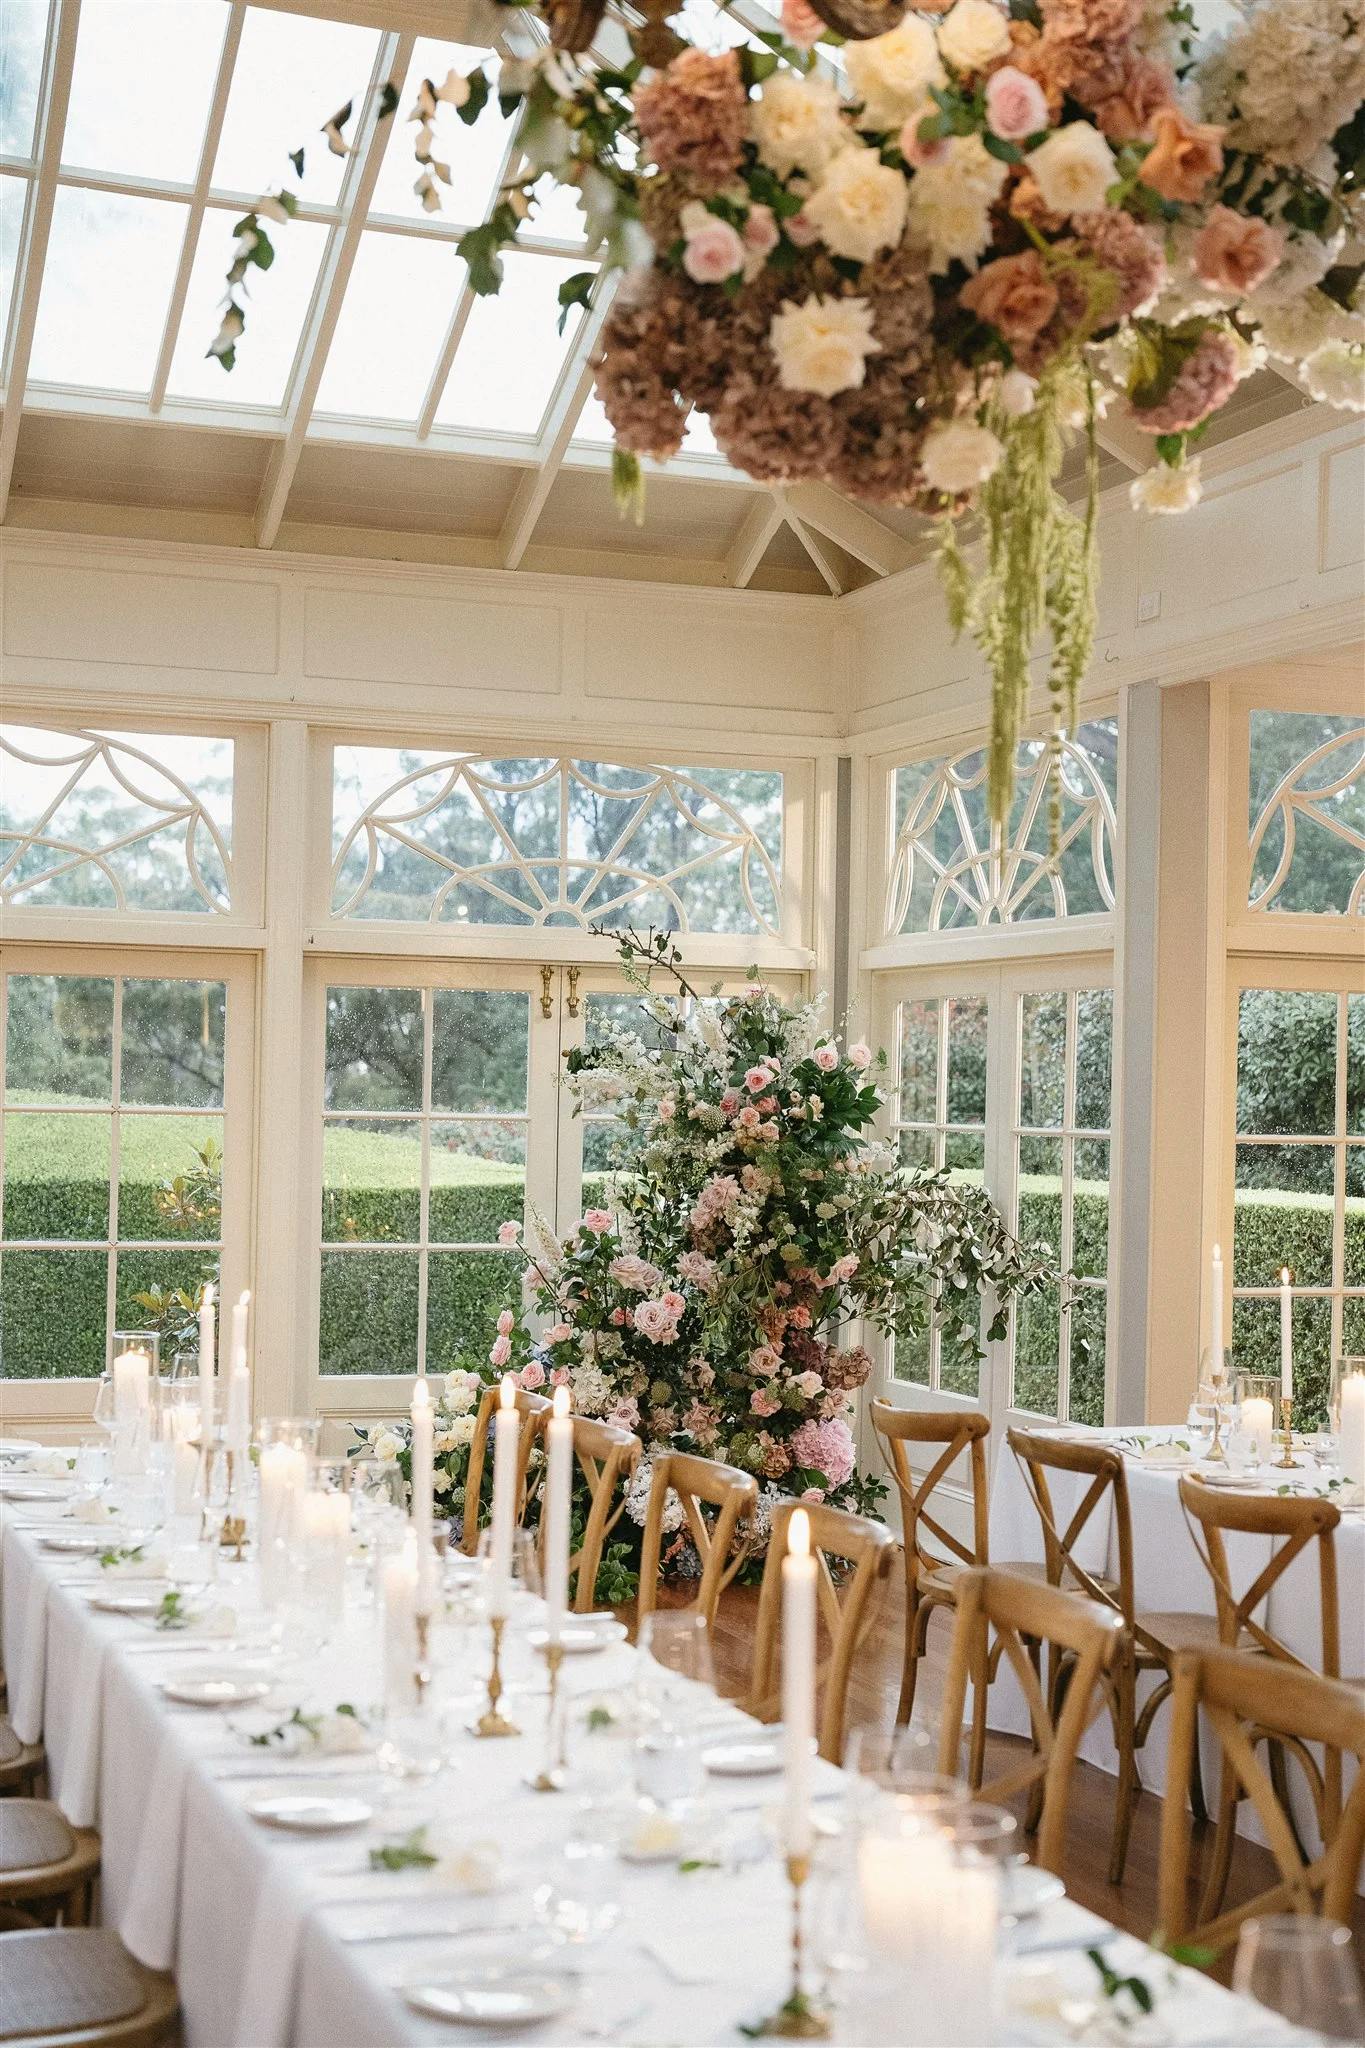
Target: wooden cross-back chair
point(1245, 1696)
point(699, 1483)
point(607, 1458)
point(1150, 1638)
point(864, 1549)
point(1023, 1613)
point(532, 1408)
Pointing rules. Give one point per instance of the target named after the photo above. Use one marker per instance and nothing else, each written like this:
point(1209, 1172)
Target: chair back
point(1036, 1456)
point(607, 1458)
point(1025, 1612)
point(1245, 1697)
point(1292, 1522)
point(699, 1483)
point(863, 1550)
point(532, 1408)
point(956, 1430)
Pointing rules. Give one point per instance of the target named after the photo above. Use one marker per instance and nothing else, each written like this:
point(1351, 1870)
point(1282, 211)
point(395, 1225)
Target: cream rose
point(1166, 487)
point(973, 35)
point(859, 205)
point(892, 74)
point(1073, 169)
point(950, 201)
point(1336, 375)
point(958, 456)
point(823, 344)
point(796, 123)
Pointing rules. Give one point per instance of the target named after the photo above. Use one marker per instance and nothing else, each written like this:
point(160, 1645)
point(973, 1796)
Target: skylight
point(474, 151)
point(293, 73)
point(279, 307)
point(106, 286)
point(161, 52)
point(511, 355)
point(397, 308)
point(23, 24)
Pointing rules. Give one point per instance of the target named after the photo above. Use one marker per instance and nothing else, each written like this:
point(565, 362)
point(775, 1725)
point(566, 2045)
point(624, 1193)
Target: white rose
point(461, 1432)
point(459, 1398)
point(796, 123)
point(1074, 169)
point(958, 456)
point(1016, 394)
point(1336, 375)
point(973, 35)
point(823, 344)
point(440, 1480)
point(1166, 488)
point(859, 205)
point(949, 202)
point(386, 1446)
point(892, 74)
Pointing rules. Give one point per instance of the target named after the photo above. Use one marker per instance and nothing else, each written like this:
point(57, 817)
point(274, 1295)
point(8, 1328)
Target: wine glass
point(1304, 1969)
point(678, 1639)
point(103, 1412)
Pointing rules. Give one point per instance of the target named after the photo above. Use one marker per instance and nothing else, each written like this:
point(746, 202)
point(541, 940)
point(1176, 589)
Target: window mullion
point(424, 1192)
point(115, 1149)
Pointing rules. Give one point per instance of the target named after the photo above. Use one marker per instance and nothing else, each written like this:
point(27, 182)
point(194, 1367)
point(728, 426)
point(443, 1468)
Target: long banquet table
point(284, 1942)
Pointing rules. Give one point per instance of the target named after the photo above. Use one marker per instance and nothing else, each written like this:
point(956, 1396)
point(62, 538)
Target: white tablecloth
point(255, 1922)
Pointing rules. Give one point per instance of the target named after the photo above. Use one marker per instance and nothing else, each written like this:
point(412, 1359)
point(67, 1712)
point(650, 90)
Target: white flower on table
point(386, 1447)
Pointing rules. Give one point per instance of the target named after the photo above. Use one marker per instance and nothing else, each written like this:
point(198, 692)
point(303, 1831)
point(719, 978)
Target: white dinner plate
point(755, 1756)
point(216, 1689)
point(18, 1446)
point(305, 1816)
point(494, 1995)
point(108, 1600)
point(581, 1634)
point(75, 1546)
point(32, 1489)
point(1027, 1890)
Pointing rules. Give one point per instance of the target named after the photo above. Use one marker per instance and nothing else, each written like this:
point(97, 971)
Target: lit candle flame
point(561, 1402)
point(508, 1397)
point(798, 1534)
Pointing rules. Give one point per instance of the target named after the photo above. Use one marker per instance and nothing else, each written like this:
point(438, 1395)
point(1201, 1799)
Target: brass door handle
point(573, 991)
point(547, 1001)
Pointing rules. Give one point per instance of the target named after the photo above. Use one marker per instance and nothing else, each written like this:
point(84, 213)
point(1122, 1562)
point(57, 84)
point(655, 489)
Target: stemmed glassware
point(1305, 1969)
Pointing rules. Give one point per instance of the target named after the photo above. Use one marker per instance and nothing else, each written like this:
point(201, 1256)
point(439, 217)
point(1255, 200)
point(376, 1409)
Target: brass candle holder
point(232, 1536)
point(1215, 1454)
point(490, 1721)
point(799, 2017)
point(1286, 1462)
point(554, 1772)
point(421, 1670)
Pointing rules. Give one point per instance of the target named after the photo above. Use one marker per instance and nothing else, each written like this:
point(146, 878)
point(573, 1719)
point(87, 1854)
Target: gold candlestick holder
point(421, 1670)
point(1215, 1454)
point(232, 1536)
point(799, 2017)
point(490, 1721)
point(1286, 1462)
point(554, 1772)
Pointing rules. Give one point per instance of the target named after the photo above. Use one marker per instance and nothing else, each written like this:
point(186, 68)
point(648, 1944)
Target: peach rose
point(1233, 252)
point(1014, 294)
point(1183, 157)
point(801, 24)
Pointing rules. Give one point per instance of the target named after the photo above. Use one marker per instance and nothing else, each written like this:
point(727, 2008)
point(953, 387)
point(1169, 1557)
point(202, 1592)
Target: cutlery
point(280, 1769)
point(1059, 1944)
point(438, 1931)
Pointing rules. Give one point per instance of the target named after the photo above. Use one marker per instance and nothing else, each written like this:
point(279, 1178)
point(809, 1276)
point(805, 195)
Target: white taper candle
point(1286, 1337)
point(206, 1364)
point(506, 1431)
point(421, 1492)
point(798, 1683)
point(558, 1492)
point(1216, 1314)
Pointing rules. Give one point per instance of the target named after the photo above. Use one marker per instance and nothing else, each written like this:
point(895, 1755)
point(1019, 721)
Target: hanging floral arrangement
point(910, 253)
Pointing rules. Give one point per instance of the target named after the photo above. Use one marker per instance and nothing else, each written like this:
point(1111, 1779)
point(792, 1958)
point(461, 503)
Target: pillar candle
point(206, 1365)
point(132, 1387)
point(1216, 1314)
point(184, 1473)
point(1286, 1338)
point(798, 1683)
point(1352, 1458)
point(1258, 1424)
point(398, 1608)
point(558, 1489)
point(931, 1926)
point(282, 1473)
point(507, 1431)
point(325, 1529)
point(421, 1491)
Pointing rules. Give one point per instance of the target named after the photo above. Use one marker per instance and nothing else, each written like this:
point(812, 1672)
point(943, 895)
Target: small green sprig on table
point(308, 1725)
point(117, 1555)
point(172, 1613)
point(1131, 1998)
point(409, 1853)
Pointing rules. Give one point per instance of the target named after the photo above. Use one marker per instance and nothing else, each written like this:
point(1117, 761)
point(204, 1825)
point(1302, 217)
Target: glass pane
point(59, 1038)
point(919, 1061)
point(293, 73)
point(624, 1013)
point(910, 1359)
point(959, 1369)
point(465, 1291)
point(967, 1060)
point(52, 1315)
point(474, 153)
point(1353, 1326)
point(144, 1280)
point(1037, 1339)
point(965, 1155)
point(1354, 1268)
point(1090, 1208)
point(398, 305)
point(23, 25)
point(1307, 811)
point(107, 281)
point(372, 1181)
point(173, 1037)
point(280, 298)
point(478, 1179)
point(479, 1049)
point(1286, 1062)
point(374, 1048)
point(12, 191)
point(917, 1148)
point(509, 358)
point(368, 1312)
point(1040, 1190)
point(1042, 1076)
point(57, 1175)
point(1283, 1215)
point(1094, 1048)
point(1088, 1305)
point(170, 1176)
point(1256, 1348)
point(1355, 1064)
point(121, 47)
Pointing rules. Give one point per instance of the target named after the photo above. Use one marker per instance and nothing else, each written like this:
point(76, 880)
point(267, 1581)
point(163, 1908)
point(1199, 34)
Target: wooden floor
point(873, 1697)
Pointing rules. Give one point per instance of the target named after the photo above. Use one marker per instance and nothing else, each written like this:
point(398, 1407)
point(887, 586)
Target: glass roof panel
point(12, 192)
point(23, 24)
point(474, 153)
point(510, 356)
point(397, 308)
point(278, 305)
point(162, 52)
point(107, 282)
point(293, 73)
point(557, 215)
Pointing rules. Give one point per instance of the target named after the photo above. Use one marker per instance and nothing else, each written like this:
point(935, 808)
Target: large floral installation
point(909, 252)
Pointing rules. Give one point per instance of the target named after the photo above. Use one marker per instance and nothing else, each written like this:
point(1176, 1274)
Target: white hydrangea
point(1287, 77)
point(1301, 327)
point(637, 1500)
point(1305, 262)
point(1335, 375)
point(892, 74)
point(1166, 487)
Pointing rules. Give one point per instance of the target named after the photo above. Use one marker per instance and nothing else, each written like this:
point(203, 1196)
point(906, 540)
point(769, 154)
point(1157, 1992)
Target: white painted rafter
point(857, 532)
point(334, 274)
point(752, 541)
point(561, 418)
point(810, 541)
point(54, 94)
point(1126, 443)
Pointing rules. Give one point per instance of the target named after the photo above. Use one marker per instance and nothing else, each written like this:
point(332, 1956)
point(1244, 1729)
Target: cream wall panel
point(1342, 529)
point(719, 661)
point(419, 637)
point(140, 619)
point(1236, 545)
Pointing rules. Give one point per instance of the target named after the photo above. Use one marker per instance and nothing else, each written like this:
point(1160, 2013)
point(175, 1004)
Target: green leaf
point(1008, 152)
point(262, 255)
point(575, 291)
point(756, 65)
point(479, 248)
point(388, 100)
point(1171, 449)
point(411, 1853)
point(628, 484)
point(477, 82)
point(296, 159)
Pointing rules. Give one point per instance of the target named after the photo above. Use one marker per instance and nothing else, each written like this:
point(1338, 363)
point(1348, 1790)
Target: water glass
point(678, 1639)
point(578, 1901)
point(1304, 1969)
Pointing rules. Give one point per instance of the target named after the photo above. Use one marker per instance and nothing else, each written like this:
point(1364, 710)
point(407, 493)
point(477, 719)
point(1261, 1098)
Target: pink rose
point(713, 251)
point(506, 1323)
point(761, 232)
point(558, 1333)
point(531, 1376)
point(597, 1221)
point(826, 1058)
point(844, 1268)
point(766, 1105)
point(748, 1118)
point(801, 24)
point(758, 1080)
point(763, 1402)
point(860, 1056)
point(764, 1360)
point(618, 1316)
point(674, 1302)
point(800, 1317)
point(1016, 105)
point(625, 1414)
point(918, 153)
point(810, 1384)
point(801, 231)
point(666, 1108)
point(560, 1376)
point(815, 1494)
point(508, 1233)
point(501, 1352)
point(1234, 252)
point(729, 1101)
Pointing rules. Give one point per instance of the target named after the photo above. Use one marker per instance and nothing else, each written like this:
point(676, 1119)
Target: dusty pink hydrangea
point(848, 1369)
point(1207, 379)
point(1131, 253)
point(825, 1447)
point(692, 118)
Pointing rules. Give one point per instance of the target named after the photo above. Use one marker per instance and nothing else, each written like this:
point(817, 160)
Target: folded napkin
point(90, 1508)
point(49, 1465)
point(133, 1568)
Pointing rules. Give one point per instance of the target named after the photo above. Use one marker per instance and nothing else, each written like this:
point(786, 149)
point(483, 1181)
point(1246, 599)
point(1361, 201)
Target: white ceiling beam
point(751, 542)
point(1126, 443)
point(362, 173)
point(54, 94)
point(850, 528)
point(561, 417)
point(811, 543)
point(203, 179)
